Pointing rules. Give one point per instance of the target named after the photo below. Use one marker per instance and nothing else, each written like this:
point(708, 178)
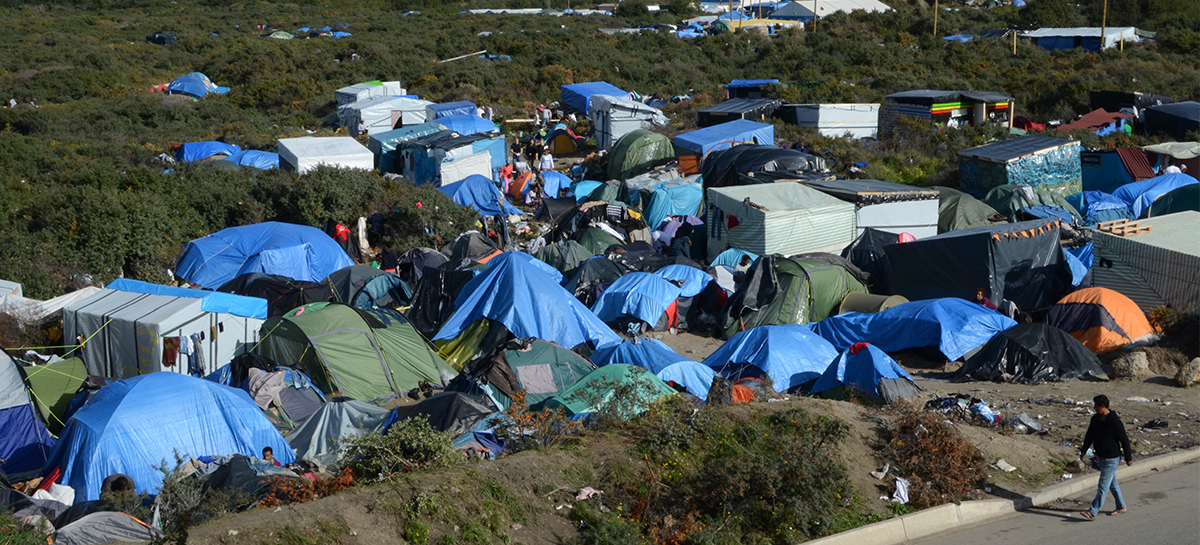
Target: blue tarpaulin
point(578, 96)
point(468, 124)
point(545, 267)
point(789, 354)
point(1045, 211)
point(479, 193)
point(694, 280)
point(1080, 260)
point(681, 199)
point(696, 377)
point(195, 84)
point(435, 112)
point(726, 135)
point(960, 38)
point(298, 252)
point(384, 144)
point(751, 83)
point(583, 190)
point(340, 34)
point(861, 371)
point(1140, 195)
point(555, 183)
point(641, 295)
point(652, 354)
point(211, 301)
point(253, 158)
point(955, 326)
point(133, 425)
point(529, 302)
point(732, 258)
point(1098, 206)
point(198, 151)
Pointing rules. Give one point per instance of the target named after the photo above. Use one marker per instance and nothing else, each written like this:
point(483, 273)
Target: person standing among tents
point(546, 163)
point(1107, 433)
point(388, 260)
point(1173, 168)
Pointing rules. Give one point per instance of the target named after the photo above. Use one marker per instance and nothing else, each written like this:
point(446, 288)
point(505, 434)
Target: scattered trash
point(987, 489)
point(1067, 476)
point(982, 410)
point(516, 527)
point(588, 493)
point(901, 494)
point(1025, 424)
point(1139, 399)
point(883, 472)
point(1004, 466)
point(1155, 424)
point(1067, 444)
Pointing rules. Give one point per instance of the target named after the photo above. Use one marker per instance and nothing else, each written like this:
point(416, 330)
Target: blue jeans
point(1108, 481)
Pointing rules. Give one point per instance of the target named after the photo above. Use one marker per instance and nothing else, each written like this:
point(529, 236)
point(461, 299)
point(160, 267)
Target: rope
point(85, 341)
point(264, 337)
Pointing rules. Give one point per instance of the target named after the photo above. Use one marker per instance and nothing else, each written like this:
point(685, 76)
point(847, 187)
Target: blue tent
point(198, 151)
point(384, 144)
point(726, 135)
point(555, 183)
point(295, 251)
point(583, 190)
point(529, 302)
point(340, 34)
point(1098, 206)
point(673, 199)
point(640, 351)
point(732, 258)
point(578, 96)
point(303, 29)
point(750, 83)
point(480, 193)
point(211, 301)
point(132, 425)
point(694, 280)
point(1140, 195)
point(467, 124)
point(25, 442)
point(195, 84)
point(790, 354)
point(960, 38)
point(545, 267)
point(696, 377)
point(955, 326)
point(870, 371)
point(644, 296)
point(438, 111)
point(253, 158)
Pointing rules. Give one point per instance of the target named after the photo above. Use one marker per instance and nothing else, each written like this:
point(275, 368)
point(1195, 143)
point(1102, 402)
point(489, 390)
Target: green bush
point(408, 445)
point(14, 532)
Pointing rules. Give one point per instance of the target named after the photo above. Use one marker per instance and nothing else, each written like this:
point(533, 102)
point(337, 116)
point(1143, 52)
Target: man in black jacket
point(1107, 433)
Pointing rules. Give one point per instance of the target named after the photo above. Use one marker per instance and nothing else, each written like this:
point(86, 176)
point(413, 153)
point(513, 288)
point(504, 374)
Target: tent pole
point(1103, 24)
point(814, 16)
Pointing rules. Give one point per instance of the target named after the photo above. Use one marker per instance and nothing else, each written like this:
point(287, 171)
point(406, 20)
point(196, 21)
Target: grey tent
point(455, 413)
point(566, 256)
point(412, 264)
point(366, 287)
point(958, 210)
point(104, 527)
point(318, 439)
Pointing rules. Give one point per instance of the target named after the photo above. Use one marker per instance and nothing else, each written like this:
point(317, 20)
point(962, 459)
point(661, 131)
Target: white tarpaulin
point(376, 113)
point(616, 116)
point(466, 165)
point(306, 152)
point(363, 91)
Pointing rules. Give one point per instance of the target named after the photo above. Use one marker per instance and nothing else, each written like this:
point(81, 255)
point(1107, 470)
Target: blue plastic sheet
point(652, 354)
point(132, 425)
point(644, 296)
point(195, 84)
point(340, 34)
point(583, 190)
point(1140, 195)
point(447, 109)
point(211, 301)
point(789, 354)
point(955, 326)
point(25, 442)
point(732, 258)
point(467, 124)
point(555, 183)
point(253, 158)
point(1080, 259)
point(694, 280)
point(198, 151)
point(861, 371)
point(579, 95)
point(529, 302)
point(479, 193)
point(673, 200)
point(298, 252)
point(696, 377)
point(726, 135)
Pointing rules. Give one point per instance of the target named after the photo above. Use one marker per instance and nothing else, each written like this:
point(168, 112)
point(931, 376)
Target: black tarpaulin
point(1030, 354)
point(449, 412)
point(722, 168)
point(282, 293)
point(866, 253)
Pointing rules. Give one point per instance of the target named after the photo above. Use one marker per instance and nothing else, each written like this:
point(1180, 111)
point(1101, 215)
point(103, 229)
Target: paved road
point(1164, 507)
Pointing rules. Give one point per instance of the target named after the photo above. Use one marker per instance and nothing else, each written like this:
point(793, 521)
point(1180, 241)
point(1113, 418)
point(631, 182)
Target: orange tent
point(1100, 318)
point(517, 188)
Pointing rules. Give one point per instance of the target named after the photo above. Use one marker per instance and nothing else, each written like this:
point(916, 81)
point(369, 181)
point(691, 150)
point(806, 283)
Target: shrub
point(408, 445)
point(547, 427)
point(183, 502)
point(939, 463)
point(15, 532)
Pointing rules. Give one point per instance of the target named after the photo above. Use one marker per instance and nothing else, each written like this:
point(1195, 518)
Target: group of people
point(534, 153)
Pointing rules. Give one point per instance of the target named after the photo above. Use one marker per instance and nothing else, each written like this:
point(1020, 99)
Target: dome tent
point(644, 296)
point(869, 370)
point(638, 151)
point(626, 390)
point(790, 354)
point(366, 287)
point(1030, 354)
point(25, 443)
point(1102, 319)
point(955, 326)
point(295, 251)
point(541, 369)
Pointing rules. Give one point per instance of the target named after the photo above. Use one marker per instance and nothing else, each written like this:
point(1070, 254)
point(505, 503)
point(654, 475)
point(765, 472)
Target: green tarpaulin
point(638, 152)
point(623, 390)
point(958, 210)
point(52, 386)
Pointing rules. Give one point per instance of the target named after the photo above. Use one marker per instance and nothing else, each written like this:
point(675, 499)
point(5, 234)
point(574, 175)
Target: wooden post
point(814, 16)
point(1103, 24)
point(1014, 42)
point(935, 17)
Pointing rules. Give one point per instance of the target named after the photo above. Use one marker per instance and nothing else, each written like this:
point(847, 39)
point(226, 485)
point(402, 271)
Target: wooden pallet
point(1124, 228)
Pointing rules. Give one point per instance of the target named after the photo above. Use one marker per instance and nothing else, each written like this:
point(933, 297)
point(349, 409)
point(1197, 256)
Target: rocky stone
point(1131, 365)
point(1189, 373)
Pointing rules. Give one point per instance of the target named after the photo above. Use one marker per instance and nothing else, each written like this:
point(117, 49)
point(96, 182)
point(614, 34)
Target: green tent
point(595, 240)
point(607, 193)
point(52, 386)
point(720, 26)
point(809, 291)
point(542, 369)
point(1006, 199)
point(958, 210)
point(365, 354)
point(625, 390)
point(564, 256)
point(1176, 200)
point(637, 152)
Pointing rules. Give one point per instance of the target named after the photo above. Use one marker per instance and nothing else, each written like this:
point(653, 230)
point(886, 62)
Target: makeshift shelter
point(262, 160)
point(1030, 354)
point(748, 109)
point(321, 438)
point(133, 425)
point(281, 293)
point(637, 152)
point(641, 296)
point(468, 124)
point(867, 253)
point(426, 159)
point(1155, 268)
point(566, 256)
point(1087, 38)
point(1179, 199)
point(471, 245)
point(958, 210)
point(1097, 120)
point(1021, 262)
point(281, 35)
point(178, 330)
point(1185, 154)
point(1115, 101)
point(295, 251)
point(382, 113)
point(25, 444)
point(644, 352)
point(364, 354)
point(1038, 161)
point(1107, 169)
point(434, 112)
point(680, 197)
point(195, 85)
point(434, 296)
point(365, 287)
point(367, 90)
point(868, 370)
point(199, 151)
point(1176, 120)
point(51, 387)
point(578, 96)
point(590, 275)
point(1097, 206)
point(694, 146)
point(946, 108)
point(954, 326)
point(385, 145)
point(598, 392)
point(561, 140)
point(105, 527)
point(454, 413)
point(541, 369)
point(481, 194)
point(738, 165)
point(779, 290)
point(1009, 199)
point(306, 153)
point(784, 219)
point(790, 355)
point(833, 120)
point(696, 378)
point(1140, 196)
point(412, 264)
point(748, 88)
point(886, 206)
point(34, 311)
point(799, 11)
point(616, 116)
point(1100, 318)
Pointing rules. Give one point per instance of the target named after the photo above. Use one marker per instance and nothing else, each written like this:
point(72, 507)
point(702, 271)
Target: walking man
point(1107, 433)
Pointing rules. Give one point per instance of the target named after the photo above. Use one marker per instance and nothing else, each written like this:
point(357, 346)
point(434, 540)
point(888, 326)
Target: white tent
point(306, 152)
point(1069, 38)
point(32, 310)
point(363, 91)
point(125, 333)
point(376, 113)
point(465, 165)
point(615, 117)
point(887, 206)
point(835, 120)
point(782, 218)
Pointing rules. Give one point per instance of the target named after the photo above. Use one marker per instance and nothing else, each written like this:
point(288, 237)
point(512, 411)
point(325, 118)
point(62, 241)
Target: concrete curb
point(922, 524)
